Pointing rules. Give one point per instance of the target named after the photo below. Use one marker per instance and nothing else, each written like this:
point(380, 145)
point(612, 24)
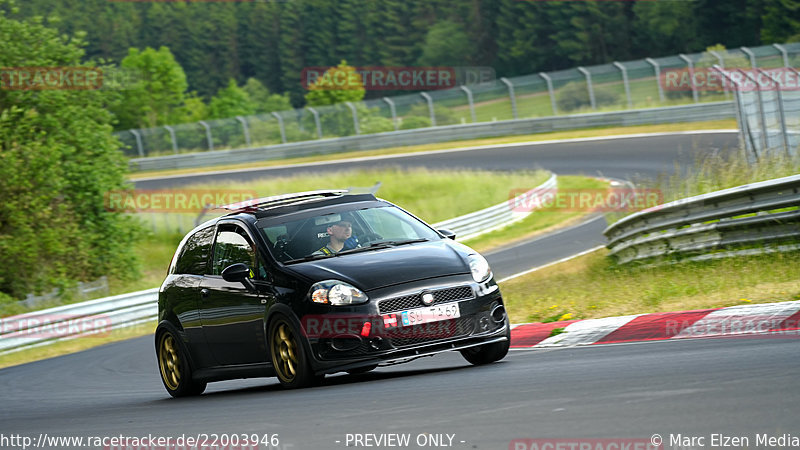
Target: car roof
point(288, 203)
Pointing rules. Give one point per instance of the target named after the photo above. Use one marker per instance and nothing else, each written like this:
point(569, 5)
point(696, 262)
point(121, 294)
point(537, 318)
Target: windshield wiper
point(308, 258)
point(373, 246)
point(403, 242)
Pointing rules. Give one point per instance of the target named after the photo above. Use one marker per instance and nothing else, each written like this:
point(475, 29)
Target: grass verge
point(591, 287)
point(590, 132)
point(540, 221)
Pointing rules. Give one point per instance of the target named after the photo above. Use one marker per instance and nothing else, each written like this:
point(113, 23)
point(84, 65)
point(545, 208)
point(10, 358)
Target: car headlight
point(479, 267)
point(334, 292)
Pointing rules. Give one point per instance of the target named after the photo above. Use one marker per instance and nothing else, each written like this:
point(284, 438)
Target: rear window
point(194, 255)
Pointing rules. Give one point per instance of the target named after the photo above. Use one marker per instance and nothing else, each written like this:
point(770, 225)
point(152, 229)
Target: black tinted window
point(194, 257)
point(231, 248)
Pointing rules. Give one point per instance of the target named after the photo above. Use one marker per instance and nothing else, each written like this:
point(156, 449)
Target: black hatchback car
point(303, 285)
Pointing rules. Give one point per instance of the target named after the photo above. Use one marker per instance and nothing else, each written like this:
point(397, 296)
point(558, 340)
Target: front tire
point(489, 353)
point(173, 364)
point(289, 357)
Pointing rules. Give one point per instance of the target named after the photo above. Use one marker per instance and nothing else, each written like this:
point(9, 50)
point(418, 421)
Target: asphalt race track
point(731, 386)
point(695, 388)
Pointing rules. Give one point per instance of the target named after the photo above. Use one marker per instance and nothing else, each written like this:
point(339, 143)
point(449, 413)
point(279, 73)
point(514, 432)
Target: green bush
point(375, 124)
point(413, 122)
point(444, 116)
point(575, 95)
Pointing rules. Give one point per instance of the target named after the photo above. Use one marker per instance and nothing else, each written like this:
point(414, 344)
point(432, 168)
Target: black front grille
point(415, 300)
point(432, 332)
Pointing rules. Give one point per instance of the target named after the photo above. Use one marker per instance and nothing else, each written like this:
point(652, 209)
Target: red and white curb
point(763, 320)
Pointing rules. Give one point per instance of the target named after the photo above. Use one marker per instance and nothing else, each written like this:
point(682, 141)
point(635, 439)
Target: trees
point(59, 159)
point(157, 91)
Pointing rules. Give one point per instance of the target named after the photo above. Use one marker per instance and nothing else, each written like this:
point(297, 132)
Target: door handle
point(204, 293)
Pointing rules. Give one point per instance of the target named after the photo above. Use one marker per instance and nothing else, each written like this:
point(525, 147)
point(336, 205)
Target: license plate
point(430, 314)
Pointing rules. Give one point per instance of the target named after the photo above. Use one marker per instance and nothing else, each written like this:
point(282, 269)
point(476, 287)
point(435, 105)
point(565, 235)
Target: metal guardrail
point(762, 217)
point(672, 114)
point(497, 216)
point(94, 317)
point(99, 317)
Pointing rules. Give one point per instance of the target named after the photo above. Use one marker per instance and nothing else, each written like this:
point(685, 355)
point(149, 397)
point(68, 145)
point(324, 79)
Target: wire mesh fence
point(653, 82)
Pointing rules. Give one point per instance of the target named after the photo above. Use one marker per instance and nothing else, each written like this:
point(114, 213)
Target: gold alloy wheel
point(284, 351)
point(169, 361)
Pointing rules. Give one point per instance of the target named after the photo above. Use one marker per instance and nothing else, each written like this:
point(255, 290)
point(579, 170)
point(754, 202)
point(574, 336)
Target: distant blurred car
point(250, 294)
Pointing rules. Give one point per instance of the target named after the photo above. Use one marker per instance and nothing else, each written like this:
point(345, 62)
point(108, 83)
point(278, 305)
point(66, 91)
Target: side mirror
point(238, 273)
point(447, 233)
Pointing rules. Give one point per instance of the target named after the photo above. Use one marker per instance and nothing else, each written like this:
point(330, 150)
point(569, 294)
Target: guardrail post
point(761, 113)
point(785, 54)
point(511, 96)
point(657, 72)
point(721, 64)
point(471, 103)
point(781, 112)
point(139, 146)
point(588, 76)
point(549, 82)
point(317, 123)
point(625, 82)
point(393, 110)
point(208, 135)
point(355, 117)
point(245, 129)
point(690, 65)
point(751, 55)
point(280, 124)
point(172, 138)
point(740, 118)
point(430, 107)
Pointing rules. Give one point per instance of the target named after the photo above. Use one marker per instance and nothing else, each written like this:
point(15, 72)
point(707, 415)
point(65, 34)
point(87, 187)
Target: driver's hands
point(350, 243)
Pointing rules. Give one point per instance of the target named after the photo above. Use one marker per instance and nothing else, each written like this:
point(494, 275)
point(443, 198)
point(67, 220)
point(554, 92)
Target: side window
point(194, 255)
point(231, 248)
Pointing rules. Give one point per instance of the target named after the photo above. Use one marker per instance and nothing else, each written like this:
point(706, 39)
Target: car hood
point(386, 267)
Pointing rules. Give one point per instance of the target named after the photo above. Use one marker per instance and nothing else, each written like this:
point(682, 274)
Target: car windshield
point(344, 232)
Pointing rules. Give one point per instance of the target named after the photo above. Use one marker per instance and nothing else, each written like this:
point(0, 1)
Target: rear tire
point(173, 364)
point(489, 353)
point(288, 354)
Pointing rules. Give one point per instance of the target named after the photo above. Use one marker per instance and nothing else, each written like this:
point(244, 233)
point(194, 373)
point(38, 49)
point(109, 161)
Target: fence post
point(138, 142)
point(781, 111)
point(657, 71)
point(172, 138)
point(589, 86)
point(208, 135)
point(471, 103)
point(690, 65)
point(752, 57)
point(785, 54)
point(430, 107)
point(761, 113)
point(511, 95)
point(392, 110)
point(741, 120)
point(625, 82)
point(245, 129)
point(316, 121)
point(280, 124)
point(721, 64)
point(551, 91)
point(355, 117)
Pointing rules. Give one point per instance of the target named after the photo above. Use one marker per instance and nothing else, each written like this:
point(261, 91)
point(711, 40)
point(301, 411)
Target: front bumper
point(482, 321)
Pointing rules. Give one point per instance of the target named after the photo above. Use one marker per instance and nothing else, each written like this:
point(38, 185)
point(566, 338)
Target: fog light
point(484, 323)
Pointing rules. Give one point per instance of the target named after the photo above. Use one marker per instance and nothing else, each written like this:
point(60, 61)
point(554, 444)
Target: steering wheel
point(369, 237)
